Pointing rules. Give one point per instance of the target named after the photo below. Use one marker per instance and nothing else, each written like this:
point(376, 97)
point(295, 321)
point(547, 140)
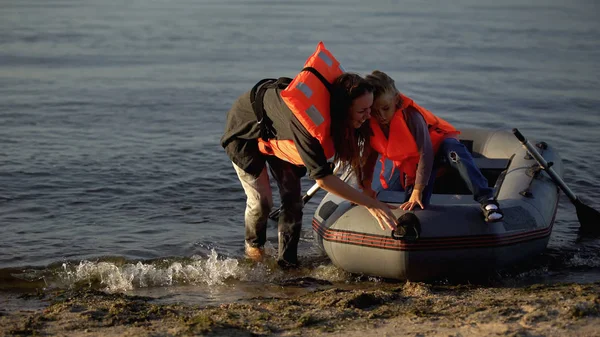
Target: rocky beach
point(385, 309)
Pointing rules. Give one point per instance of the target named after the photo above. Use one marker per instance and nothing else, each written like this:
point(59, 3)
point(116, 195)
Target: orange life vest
point(401, 147)
point(308, 99)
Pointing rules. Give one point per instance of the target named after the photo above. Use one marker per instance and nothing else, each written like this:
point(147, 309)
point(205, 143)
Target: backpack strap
point(257, 95)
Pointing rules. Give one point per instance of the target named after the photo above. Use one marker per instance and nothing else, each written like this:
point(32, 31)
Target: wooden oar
point(589, 218)
point(274, 215)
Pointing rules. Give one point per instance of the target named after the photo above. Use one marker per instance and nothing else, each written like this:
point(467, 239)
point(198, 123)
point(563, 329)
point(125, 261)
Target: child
point(414, 139)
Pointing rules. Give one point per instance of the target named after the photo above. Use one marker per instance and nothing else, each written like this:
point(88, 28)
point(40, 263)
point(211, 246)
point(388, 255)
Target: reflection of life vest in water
point(401, 147)
point(308, 98)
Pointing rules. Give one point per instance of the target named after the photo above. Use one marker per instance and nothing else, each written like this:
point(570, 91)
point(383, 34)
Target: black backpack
point(257, 95)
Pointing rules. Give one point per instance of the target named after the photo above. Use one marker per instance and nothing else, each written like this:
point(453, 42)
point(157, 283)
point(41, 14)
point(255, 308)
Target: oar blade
point(588, 217)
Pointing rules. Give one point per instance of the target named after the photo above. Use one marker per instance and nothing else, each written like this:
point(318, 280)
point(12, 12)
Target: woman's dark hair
point(351, 145)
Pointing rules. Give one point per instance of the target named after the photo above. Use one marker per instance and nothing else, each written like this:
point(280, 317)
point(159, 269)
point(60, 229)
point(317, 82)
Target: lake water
point(111, 172)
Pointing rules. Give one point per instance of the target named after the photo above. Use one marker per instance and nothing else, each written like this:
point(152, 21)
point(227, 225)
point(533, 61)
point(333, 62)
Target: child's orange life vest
point(401, 147)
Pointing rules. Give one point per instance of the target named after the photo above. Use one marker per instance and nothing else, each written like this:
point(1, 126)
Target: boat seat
point(485, 163)
point(451, 183)
point(491, 163)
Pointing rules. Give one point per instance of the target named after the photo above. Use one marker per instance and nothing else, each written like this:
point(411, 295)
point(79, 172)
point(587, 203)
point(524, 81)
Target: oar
point(274, 215)
point(589, 218)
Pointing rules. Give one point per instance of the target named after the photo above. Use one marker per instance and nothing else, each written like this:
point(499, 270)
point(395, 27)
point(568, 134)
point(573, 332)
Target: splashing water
point(111, 277)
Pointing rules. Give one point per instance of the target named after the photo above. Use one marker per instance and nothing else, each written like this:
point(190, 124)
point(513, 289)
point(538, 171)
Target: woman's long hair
point(351, 145)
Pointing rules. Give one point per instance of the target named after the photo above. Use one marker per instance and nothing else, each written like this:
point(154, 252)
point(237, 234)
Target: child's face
point(384, 108)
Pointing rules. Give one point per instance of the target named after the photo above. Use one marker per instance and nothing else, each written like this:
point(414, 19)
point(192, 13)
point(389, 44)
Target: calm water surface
point(111, 173)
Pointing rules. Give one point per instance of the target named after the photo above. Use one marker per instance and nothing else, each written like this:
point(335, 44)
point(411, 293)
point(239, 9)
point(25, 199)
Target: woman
point(294, 128)
point(417, 141)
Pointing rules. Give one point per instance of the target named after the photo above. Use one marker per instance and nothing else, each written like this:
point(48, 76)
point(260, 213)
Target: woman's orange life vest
point(401, 146)
point(308, 99)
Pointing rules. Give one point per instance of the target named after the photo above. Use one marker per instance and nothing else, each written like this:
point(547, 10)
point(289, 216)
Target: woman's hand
point(383, 214)
point(381, 211)
point(415, 199)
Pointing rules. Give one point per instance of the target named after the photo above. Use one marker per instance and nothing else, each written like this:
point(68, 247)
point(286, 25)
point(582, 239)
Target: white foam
point(117, 278)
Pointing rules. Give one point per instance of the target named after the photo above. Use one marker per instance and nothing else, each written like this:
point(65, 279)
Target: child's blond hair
point(382, 84)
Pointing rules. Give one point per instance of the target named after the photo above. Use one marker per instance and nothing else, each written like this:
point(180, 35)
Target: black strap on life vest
point(257, 95)
point(319, 76)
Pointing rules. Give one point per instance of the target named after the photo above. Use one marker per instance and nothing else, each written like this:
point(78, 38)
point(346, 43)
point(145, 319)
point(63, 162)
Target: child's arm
point(418, 128)
point(368, 170)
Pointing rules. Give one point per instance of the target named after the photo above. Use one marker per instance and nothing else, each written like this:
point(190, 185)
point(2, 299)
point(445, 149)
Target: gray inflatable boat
point(453, 237)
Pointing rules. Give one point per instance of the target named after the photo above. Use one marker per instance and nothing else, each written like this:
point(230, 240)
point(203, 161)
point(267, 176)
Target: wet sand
point(400, 309)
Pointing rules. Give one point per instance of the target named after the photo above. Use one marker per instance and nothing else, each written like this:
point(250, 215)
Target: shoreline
point(405, 309)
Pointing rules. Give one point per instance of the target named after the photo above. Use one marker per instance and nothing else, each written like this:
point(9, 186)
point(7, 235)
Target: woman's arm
point(381, 211)
point(314, 159)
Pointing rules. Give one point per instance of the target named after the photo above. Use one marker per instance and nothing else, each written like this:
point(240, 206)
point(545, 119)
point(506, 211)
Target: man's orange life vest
point(308, 98)
point(401, 147)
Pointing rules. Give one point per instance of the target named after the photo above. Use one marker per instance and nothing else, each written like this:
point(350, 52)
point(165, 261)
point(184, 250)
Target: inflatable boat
point(450, 236)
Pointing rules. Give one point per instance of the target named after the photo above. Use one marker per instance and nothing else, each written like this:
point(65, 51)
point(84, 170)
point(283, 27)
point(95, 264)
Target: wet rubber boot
point(288, 249)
